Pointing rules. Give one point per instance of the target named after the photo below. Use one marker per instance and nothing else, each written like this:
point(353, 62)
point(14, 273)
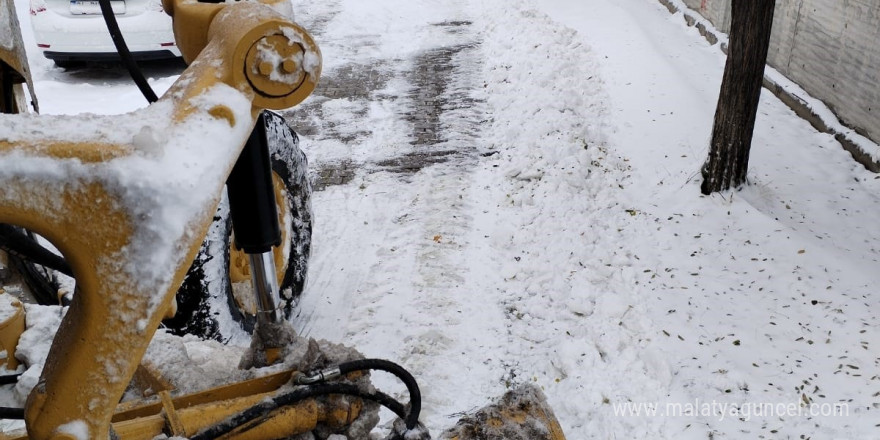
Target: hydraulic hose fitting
point(321, 376)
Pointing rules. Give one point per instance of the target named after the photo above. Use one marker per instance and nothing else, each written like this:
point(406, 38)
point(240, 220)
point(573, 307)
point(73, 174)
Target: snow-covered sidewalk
point(759, 296)
point(539, 220)
point(576, 251)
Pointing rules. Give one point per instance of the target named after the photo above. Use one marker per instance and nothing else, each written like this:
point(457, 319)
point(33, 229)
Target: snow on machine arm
point(127, 199)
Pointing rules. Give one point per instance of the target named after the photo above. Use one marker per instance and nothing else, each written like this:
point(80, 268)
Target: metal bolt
point(288, 66)
point(266, 68)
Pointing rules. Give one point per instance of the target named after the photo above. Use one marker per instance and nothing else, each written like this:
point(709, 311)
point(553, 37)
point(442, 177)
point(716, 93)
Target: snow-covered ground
point(535, 216)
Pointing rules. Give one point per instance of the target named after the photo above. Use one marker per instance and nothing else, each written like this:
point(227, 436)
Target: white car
point(70, 31)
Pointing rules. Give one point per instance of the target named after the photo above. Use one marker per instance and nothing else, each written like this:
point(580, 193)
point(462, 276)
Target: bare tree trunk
point(728, 161)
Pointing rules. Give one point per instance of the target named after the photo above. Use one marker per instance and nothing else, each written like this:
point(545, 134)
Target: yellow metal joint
point(11, 329)
point(172, 418)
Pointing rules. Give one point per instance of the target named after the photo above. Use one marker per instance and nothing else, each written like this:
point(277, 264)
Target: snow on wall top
point(827, 47)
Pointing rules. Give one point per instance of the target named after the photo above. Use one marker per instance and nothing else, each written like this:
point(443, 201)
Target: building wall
point(831, 48)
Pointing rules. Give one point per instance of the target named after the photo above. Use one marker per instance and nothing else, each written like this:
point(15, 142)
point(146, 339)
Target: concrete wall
point(831, 48)
point(716, 11)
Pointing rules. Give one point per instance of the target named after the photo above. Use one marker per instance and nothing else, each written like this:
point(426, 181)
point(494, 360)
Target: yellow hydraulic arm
point(98, 196)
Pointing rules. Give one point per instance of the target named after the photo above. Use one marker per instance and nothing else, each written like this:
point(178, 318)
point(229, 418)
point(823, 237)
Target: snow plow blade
point(521, 414)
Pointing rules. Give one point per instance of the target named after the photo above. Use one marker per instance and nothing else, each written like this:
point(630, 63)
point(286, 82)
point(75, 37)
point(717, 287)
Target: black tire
point(69, 64)
point(207, 305)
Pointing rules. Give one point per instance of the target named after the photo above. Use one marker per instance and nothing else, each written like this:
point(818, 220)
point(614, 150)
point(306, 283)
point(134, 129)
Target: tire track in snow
point(447, 320)
point(461, 259)
point(460, 266)
point(397, 282)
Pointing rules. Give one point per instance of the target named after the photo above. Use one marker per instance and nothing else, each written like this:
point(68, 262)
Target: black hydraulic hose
point(15, 241)
point(415, 396)
point(124, 54)
point(11, 413)
point(9, 378)
point(293, 397)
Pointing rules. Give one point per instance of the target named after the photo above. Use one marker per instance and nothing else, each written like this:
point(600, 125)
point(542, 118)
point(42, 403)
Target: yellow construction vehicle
point(129, 229)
